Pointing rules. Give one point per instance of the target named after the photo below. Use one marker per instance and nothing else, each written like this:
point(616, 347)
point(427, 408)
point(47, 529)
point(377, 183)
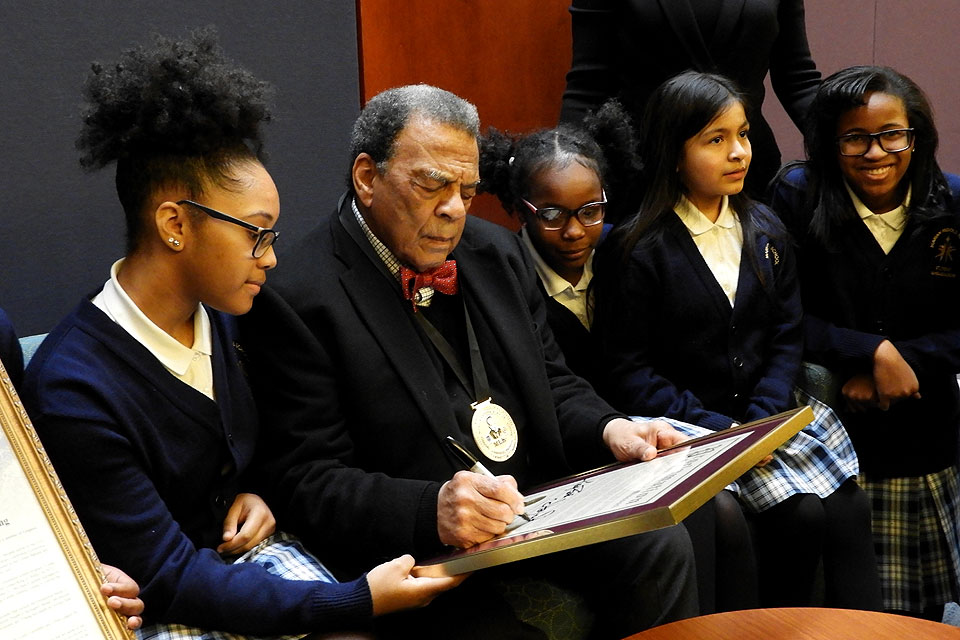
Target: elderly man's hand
point(639, 440)
point(472, 508)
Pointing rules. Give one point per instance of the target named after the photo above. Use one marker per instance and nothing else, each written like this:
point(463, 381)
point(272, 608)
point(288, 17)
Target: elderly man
point(398, 321)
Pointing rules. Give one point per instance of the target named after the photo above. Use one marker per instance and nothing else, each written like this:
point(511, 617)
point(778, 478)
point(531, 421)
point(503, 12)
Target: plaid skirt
point(816, 460)
point(916, 534)
point(280, 554)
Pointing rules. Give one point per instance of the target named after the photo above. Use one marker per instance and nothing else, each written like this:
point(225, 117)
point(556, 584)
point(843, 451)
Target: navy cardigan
point(676, 348)
point(855, 297)
point(152, 465)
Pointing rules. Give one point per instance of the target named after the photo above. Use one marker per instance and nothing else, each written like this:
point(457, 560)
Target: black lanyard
point(481, 386)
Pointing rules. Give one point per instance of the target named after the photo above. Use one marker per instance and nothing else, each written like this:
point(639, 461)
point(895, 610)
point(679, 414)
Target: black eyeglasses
point(891, 141)
point(265, 237)
point(556, 218)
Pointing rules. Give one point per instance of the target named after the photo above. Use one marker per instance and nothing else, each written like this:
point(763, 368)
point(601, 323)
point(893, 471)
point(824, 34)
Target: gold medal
point(493, 430)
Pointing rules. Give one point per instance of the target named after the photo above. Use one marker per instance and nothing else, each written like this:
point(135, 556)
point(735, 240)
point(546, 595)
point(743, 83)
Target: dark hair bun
point(496, 150)
point(174, 98)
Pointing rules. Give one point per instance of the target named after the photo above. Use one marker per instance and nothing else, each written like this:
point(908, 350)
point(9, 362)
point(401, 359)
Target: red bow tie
point(442, 279)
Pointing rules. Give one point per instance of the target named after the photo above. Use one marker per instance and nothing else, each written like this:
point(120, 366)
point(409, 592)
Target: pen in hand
point(470, 461)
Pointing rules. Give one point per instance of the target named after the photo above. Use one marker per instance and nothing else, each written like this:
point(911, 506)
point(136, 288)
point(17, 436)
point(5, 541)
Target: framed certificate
point(49, 575)
point(627, 498)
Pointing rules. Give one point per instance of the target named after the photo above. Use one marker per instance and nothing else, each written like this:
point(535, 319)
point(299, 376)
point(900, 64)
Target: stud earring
point(173, 241)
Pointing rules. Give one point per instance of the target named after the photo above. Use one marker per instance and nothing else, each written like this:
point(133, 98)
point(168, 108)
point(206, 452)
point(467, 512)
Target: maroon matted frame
point(673, 505)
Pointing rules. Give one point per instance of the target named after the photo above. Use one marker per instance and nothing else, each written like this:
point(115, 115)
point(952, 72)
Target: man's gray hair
point(384, 117)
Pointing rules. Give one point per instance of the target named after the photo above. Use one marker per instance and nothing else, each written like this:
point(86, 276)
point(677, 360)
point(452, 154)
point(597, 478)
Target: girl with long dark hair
point(877, 224)
point(698, 319)
point(560, 183)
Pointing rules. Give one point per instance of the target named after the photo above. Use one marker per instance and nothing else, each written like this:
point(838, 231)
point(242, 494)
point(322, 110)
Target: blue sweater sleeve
point(823, 341)
point(130, 526)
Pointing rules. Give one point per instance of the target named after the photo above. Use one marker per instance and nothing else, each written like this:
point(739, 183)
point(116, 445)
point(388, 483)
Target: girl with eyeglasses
point(139, 394)
point(557, 181)
point(877, 225)
point(698, 319)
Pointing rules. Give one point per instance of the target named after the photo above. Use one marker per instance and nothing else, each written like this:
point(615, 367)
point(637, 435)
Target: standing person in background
point(878, 225)
point(698, 319)
point(139, 395)
point(559, 182)
point(627, 48)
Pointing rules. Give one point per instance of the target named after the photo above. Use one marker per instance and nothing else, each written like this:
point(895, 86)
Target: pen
point(470, 461)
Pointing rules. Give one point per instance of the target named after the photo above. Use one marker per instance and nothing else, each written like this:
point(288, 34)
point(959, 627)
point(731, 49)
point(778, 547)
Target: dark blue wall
point(61, 228)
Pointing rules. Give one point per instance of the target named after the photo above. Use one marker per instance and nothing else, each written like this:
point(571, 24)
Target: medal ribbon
point(480, 389)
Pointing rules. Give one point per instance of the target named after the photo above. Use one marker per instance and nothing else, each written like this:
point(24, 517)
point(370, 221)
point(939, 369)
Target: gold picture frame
point(50, 576)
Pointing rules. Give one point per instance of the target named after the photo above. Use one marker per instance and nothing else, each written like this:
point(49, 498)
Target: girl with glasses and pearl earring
point(139, 394)
point(877, 223)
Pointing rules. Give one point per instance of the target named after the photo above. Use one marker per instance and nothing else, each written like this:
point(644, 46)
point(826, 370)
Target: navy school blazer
point(676, 348)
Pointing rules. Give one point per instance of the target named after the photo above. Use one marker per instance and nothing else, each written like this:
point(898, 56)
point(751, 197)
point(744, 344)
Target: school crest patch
point(944, 248)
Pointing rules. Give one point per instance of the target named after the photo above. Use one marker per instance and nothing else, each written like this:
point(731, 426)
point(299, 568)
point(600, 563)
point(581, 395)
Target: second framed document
point(627, 498)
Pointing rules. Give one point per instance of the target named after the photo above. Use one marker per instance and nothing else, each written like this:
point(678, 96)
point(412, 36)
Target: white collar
point(895, 218)
point(115, 302)
point(695, 220)
point(553, 282)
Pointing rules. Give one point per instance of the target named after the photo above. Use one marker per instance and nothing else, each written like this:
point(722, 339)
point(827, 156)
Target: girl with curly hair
point(139, 395)
point(561, 183)
point(558, 183)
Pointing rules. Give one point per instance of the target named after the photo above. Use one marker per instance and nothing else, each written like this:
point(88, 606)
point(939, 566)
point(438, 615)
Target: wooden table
point(801, 624)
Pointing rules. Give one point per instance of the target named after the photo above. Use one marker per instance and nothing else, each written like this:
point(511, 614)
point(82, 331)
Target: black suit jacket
point(355, 409)
point(627, 48)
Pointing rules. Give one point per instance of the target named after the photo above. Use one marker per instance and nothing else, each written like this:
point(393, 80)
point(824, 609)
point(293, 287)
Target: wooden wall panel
point(508, 57)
